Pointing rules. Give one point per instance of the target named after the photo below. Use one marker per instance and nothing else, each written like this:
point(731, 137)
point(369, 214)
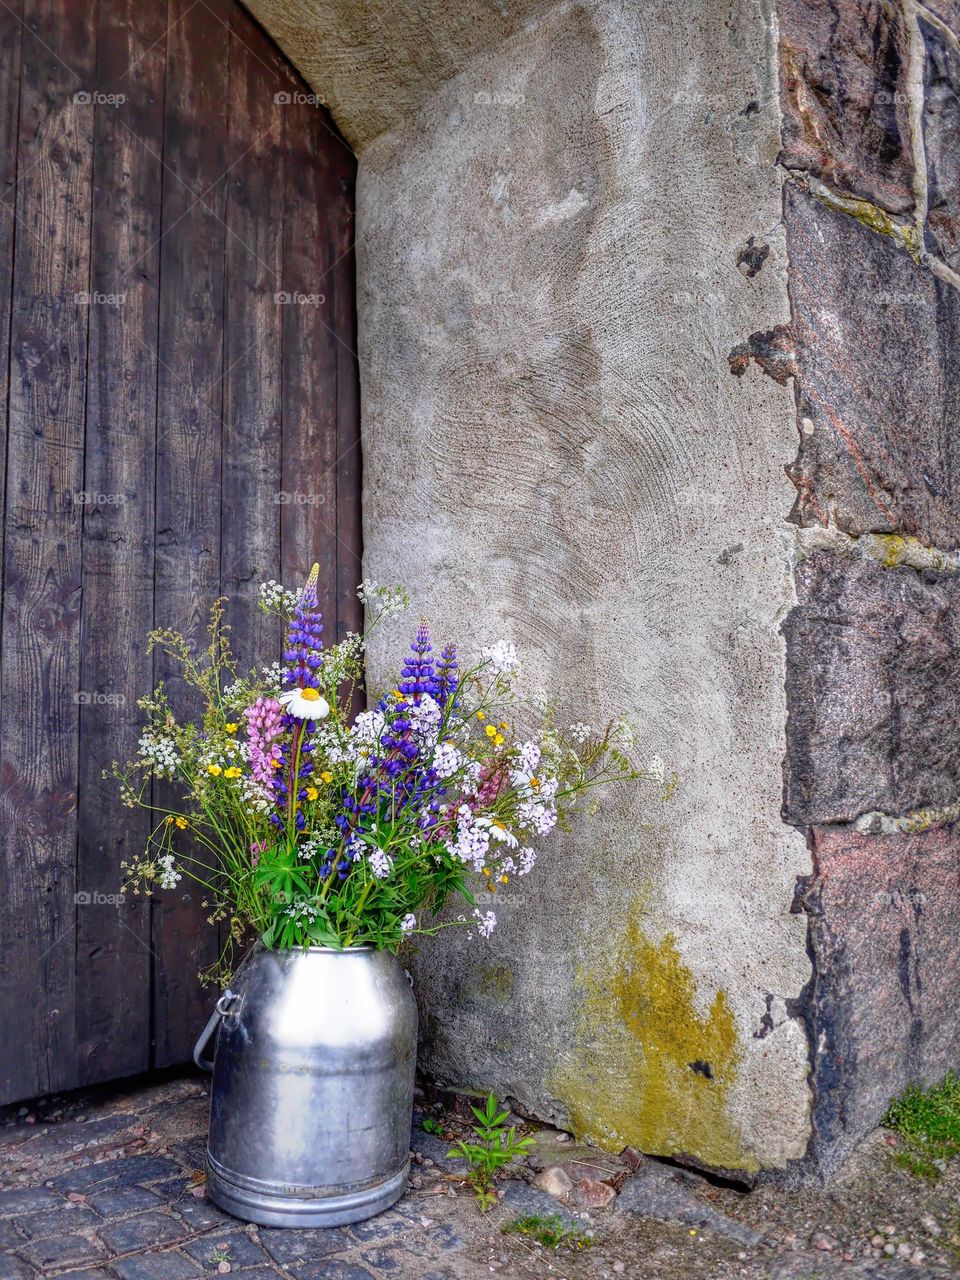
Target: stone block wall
point(872, 773)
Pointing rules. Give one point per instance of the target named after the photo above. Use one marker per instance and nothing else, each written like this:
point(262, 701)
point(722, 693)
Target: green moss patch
point(550, 1230)
point(928, 1120)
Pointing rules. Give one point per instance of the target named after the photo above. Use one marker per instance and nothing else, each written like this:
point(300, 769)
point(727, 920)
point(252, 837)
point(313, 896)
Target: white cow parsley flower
point(169, 875)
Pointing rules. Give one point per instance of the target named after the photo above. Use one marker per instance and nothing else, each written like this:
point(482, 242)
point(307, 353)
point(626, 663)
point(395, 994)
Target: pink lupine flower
point(263, 728)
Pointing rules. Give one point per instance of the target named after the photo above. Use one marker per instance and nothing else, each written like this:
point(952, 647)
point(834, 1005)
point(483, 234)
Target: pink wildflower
point(263, 728)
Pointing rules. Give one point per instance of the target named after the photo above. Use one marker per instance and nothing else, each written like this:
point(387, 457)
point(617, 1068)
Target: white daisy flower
point(305, 704)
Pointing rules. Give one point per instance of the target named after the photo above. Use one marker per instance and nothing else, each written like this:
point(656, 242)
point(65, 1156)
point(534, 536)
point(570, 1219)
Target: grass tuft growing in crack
point(928, 1120)
point(551, 1231)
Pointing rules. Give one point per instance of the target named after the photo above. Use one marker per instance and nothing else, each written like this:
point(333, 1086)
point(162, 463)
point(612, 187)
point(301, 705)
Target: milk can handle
point(221, 1008)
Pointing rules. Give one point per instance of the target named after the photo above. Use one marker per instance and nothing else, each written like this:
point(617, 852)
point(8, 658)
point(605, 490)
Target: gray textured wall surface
point(555, 453)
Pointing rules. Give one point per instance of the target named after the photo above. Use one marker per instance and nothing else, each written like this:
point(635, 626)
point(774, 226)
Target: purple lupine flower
point(417, 676)
point(447, 680)
point(303, 654)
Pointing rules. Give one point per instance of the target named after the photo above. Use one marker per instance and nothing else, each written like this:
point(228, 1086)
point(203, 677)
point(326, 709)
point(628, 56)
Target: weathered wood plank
point(113, 940)
point(348, 530)
point(251, 474)
point(189, 406)
point(10, 43)
point(309, 356)
point(39, 680)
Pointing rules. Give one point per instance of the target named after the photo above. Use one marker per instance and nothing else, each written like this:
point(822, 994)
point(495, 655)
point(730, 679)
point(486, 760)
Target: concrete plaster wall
point(556, 252)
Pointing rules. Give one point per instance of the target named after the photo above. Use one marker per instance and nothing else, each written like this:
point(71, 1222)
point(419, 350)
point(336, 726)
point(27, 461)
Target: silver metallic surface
point(312, 1092)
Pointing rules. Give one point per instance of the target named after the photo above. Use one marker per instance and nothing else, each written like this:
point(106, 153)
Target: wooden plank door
point(181, 420)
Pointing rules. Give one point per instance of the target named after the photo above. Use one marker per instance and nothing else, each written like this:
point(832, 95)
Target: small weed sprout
point(551, 1231)
point(495, 1146)
point(430, 1125)
point(928, 1120)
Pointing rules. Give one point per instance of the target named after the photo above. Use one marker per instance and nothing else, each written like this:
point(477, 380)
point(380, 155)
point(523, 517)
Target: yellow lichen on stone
point(647, 1068)
point(904, 234)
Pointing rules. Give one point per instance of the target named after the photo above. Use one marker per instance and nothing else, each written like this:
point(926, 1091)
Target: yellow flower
point(278, 764)
point(504, 879)
point(214, 769)
point(486, 871)
point(498, 740)
point(312, 793)
point(491, 886)
point(182, 823)
point(398, 695)
point(232, 772)
point(230, 728)
point(326, 776)
point(534, 782)
point(504, 725)
point(491, 731)
point(169, 819)
point(481, 716)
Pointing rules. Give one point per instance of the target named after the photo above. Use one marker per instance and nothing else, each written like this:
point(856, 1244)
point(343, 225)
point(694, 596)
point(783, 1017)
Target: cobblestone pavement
point(107, 1185)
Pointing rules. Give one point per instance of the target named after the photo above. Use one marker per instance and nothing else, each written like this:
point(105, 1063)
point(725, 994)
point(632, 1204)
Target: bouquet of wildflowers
point(311, 825)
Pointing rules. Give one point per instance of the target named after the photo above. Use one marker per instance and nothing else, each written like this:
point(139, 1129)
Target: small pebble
point(619, 1267)
point(418, 1157)
point(427, 1162)
point(224, 1268)
point(416, 1182)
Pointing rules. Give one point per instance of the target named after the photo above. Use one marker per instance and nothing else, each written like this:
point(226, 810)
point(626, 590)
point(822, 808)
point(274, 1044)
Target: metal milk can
point(312, 1093)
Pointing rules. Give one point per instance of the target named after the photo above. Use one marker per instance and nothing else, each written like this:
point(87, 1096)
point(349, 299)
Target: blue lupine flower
point(417, 676)
point(447, 680)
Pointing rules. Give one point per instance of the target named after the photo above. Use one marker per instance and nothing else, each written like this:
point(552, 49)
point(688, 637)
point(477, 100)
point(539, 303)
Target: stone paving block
point(241, 1251)
point(654, 1192)
point(302, 1244)
point(9, 1235)
point(140, 1231)
point(265, 1272)
point(333, 1270)
point(60, 1251)
point(112, 1204)
point(28, 1200)
point(157, 1266)
point(385, 1226)
point(57, 1222)
point(108, 1174)
point(93, 1273)
point(201, 1213)
point(12, 1268)
point(385, 1260)
point(523, 1201)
